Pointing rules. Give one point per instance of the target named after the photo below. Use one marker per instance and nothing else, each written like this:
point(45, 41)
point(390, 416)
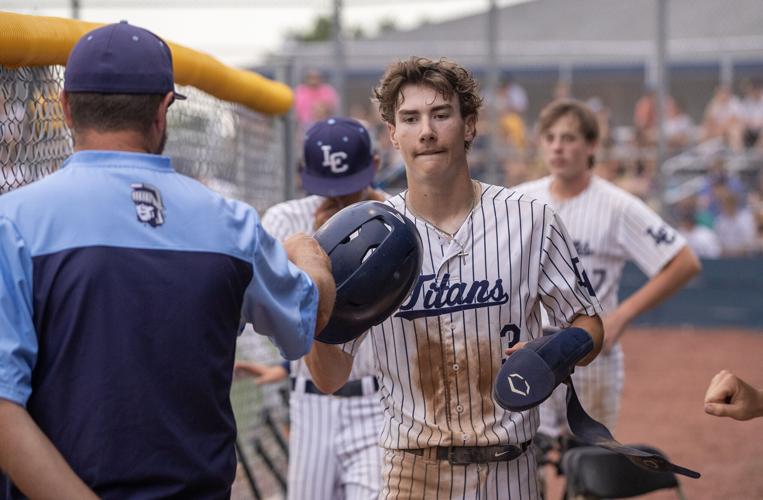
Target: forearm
point(594, 327)
point(324, 281)
point(32, 462)
point(329, 366)
point(306, 254)
point(668, 281)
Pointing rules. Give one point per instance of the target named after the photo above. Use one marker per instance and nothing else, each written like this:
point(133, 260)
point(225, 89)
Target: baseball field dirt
point(667, 373)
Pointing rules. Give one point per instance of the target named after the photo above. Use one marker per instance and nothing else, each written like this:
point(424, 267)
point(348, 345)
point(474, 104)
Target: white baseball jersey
point(478, 293)
point(609, 226)
point(439, 353)
point(333, 441)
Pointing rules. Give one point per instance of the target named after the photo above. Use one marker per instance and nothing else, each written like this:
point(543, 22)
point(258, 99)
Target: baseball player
point(608, 227)
point(123, 286)
point(334, 451)
point(492, 258)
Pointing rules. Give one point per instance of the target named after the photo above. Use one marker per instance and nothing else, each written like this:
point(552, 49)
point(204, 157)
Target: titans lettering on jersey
point(444, 297)
point(478, 293)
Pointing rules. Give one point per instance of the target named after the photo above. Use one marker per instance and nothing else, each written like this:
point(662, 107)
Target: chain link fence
point(231, 149)
point(35, 140)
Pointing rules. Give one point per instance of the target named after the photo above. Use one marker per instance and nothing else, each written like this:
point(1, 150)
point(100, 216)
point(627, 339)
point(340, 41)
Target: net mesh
point(35, 140)
point(234, 151)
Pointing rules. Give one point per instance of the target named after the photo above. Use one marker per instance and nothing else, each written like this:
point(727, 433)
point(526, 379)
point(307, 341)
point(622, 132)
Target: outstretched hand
point(730, 396)
point(305, 252)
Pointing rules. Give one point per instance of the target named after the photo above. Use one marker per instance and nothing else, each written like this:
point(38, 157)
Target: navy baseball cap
point(530, 375)
point(120, 59)
point(338, 158)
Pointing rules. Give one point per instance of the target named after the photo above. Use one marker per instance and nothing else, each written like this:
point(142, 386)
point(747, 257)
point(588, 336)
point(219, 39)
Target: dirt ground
point(667, 373)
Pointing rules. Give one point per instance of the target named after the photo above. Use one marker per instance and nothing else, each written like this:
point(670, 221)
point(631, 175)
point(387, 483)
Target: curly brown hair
point(443, 75)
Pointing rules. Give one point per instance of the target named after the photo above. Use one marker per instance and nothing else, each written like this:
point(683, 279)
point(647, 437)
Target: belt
point(351, 389)
point(465, 455)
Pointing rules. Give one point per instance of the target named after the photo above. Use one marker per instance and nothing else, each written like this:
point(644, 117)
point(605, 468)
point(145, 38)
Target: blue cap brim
point(337, 186)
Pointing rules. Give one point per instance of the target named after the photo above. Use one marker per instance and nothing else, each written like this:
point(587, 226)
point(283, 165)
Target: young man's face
point(429, 130)
point(565, 151)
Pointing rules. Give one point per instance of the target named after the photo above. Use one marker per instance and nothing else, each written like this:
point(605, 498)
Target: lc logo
point(661, 235)
point(334, 160)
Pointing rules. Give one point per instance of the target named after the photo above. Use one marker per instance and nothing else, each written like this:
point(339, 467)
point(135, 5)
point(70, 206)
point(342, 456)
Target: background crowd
point(716, 200)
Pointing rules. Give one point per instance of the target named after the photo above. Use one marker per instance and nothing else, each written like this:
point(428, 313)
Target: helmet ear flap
point(376, 256)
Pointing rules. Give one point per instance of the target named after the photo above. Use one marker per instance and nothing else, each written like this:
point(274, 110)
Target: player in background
point(334, 440)
point(123, 287)
point(608, 227)
point(491, 258)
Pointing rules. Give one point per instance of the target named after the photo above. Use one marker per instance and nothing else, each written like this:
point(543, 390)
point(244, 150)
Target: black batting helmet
point(376, 259)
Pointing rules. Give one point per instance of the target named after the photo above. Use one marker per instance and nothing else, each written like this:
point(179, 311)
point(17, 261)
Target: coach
point(123, 285)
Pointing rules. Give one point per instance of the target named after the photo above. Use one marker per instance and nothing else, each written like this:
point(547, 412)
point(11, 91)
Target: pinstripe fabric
point(440, 352)
point(609, 227)
point(334, 442)
point(333, 445)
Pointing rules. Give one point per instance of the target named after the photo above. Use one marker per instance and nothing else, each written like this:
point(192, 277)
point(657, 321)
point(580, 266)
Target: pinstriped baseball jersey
point(478, 293)
point(297, 216)
point(609, 226)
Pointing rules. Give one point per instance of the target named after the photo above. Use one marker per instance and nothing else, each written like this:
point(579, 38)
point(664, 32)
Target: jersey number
point(512, 331)
point(582, 277)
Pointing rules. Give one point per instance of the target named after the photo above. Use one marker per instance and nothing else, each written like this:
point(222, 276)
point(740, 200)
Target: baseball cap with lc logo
point(338, 158)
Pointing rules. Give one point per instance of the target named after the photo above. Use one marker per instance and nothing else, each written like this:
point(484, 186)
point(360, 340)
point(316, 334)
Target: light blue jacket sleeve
point(18, 340)
point(281, 301)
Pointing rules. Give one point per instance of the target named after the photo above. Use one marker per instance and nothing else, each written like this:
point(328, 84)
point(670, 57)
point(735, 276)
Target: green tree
point(322, 31)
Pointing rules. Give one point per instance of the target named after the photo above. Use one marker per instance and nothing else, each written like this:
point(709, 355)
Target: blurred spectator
point(645, 116)
point(735, 226)
point(752, 113)
point(723, 118)
point(716, 181)
point(511, 102)
point(314, 100)
point(755, 203)
point(513, 132)
point(512, 96)
point(679, 127)
point(701, 239)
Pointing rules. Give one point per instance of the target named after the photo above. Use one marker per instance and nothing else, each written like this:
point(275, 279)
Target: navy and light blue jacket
point(123, 286)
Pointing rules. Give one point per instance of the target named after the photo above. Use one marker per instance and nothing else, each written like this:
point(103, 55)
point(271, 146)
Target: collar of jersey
point(93, 158)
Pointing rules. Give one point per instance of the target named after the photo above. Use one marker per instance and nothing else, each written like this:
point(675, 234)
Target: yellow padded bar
point(27, 40)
